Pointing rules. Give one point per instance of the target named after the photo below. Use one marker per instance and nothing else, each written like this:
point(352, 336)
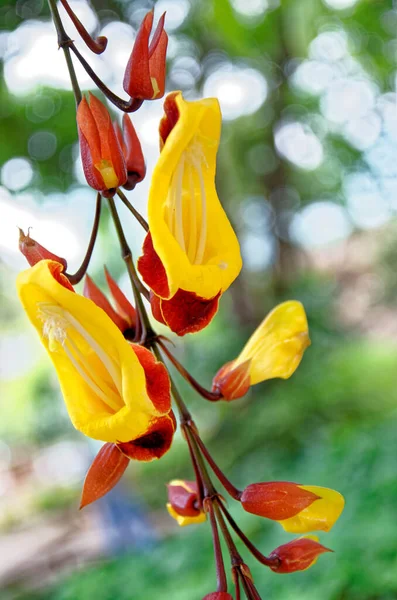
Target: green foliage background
point(333, 424)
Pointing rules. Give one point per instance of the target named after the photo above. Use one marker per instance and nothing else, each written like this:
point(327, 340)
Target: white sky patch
point(257, 251)
point(298, 144)
point(348, 99)
point(314, 76)
point(329, 46)
point(177, 12)
point(240, 91)
point(320, 224)
point(252, 8)
point(366, 204)
point(340, 4)
point(363, 132)
point(16, 173)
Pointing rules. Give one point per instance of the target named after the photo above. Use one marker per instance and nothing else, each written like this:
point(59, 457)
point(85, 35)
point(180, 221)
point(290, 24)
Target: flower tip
point(298, 555)
point(232, 381)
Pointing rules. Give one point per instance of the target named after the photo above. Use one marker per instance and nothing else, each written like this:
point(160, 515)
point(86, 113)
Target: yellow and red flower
point(297, 555)
point(114, 391)
point(298, 508)
point(183, 502)
point(103, 160)
point(191, 254)
point(275, 349)
point(144, 76)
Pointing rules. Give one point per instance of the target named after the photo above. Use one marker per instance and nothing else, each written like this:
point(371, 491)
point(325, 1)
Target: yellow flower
point(321, 515)
point(191, 253)
point(274, 350)
point(102, 379)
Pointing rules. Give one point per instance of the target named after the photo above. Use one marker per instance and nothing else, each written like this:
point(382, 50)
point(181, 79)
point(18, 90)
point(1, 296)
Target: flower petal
point(154, 443)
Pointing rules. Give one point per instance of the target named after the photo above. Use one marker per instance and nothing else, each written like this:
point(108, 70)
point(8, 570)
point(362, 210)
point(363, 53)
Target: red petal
point(276, 500)
point(133, 153)
point(92, 291)
point(34, 252)
point(152, 270)
point(157, 56)
point(56, 271)
point(137, 81)
point(156, 441)
point(170, 119)
point(123, 305)
point(232, 382)
point(188, 313)
point(297, 555)
point(92, 175)
point(89, 129)
point(155, 305)
point(158, 385)
point(184, 502)
point(106, 470)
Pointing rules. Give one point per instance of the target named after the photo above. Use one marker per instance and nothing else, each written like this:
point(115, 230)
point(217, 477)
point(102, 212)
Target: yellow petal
point(102, 381)
point(277, 346)
point(321, 515)
point(183, 521)
point(190, 230)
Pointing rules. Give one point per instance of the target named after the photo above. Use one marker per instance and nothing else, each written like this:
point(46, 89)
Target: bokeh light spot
point(16, 173)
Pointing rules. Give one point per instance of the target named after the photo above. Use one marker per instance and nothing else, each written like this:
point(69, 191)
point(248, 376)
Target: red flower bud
point(183, 502)
point(144, 76)
point(33, 251)
point(102, 157)
point(132, 150)
point(276, 500)
point(297, 555)
point(232, 381)
point(105, 472)
point(218, 596)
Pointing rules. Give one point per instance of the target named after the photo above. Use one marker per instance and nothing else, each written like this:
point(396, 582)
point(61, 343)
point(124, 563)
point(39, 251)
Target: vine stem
point(229, 487)
point(75, 278)
point(211, 396)
point(132, 209)
point(144, 330)
point(220, 566)
point(64, 42)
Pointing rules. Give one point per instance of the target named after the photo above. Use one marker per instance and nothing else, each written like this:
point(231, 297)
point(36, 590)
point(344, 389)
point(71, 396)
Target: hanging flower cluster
point(107, 355)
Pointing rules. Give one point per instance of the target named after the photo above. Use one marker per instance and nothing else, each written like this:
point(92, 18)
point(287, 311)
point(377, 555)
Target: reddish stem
point(211, 396)
point(97, 46)
point(229, 487)
point(75, 278)
point(220, 567)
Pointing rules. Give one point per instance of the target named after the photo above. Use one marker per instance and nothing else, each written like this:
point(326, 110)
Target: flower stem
point(75, 278)
point(131, 208)
point(144, 330)
point(211, 396)
point(220, 566)
point(65, 43)
point(229, 487)
point(97, 46)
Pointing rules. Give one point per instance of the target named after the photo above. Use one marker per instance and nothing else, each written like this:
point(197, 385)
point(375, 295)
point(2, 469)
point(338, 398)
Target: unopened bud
point(34, 252)
point(232, 381)
point(183, 502)
point(297, 555)
point(276, 500)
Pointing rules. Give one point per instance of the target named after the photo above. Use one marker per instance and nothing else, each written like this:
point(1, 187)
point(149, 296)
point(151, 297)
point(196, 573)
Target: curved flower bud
point(183, 505)
point(298, 508)
point(125, 315)
point(144, 76)
point(109, 395)
point(103, 160)
point(274, 350)
point(191, 255)
point(218, 596)
point(34, 252)
point(132, 150)
point(297, 555)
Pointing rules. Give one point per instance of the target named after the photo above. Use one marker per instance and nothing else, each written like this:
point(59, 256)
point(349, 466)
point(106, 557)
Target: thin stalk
point(65, 43)
point(127, 106)
point(144, 329)
point(75, 278)
point(229, 487)
point(235, 556)
point(268, 562)
point(131, 208)
point(97, 46)
point(211, 396)
point(220, 566)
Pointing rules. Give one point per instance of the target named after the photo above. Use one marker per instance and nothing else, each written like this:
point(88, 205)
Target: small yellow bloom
point(274, 350)
point(183, 505)
point(101, 377)
point(321, 515)
point(183, 521)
